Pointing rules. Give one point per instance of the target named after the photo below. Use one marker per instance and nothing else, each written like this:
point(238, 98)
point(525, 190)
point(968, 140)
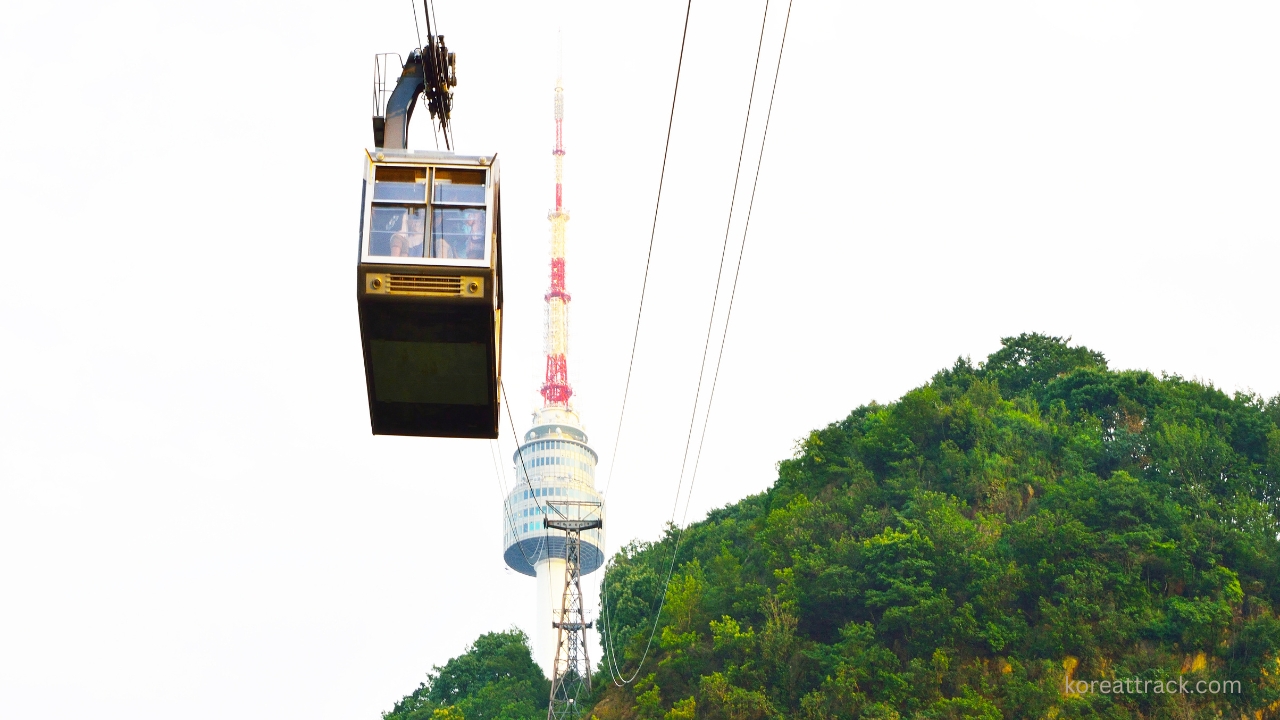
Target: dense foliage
point(968, 550)
point(495, 679)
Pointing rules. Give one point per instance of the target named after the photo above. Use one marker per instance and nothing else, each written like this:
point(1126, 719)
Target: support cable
point(644, 284)
point(506, 510)
point(737, 270)
point(520, 454)
point(414, 7)
point(615, 670)
point(429, 10)
point(546, 533)
point(755, 184)
point(426, 16)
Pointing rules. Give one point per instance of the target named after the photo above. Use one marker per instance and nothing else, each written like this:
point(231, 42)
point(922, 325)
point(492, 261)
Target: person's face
point(473, 222)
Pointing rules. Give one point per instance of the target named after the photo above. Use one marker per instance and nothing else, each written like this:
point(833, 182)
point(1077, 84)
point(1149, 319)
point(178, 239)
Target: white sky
point(194, 517)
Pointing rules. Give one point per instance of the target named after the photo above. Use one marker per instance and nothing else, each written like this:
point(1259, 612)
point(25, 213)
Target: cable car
point(429, 286)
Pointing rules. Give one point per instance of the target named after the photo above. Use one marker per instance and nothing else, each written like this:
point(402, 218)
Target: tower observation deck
point(562, 467)
point(555, 466)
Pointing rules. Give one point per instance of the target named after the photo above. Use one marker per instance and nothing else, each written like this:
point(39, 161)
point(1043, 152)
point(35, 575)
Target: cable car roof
point(382, 155)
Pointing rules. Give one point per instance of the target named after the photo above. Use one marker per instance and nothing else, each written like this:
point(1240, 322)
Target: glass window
point(400, 183)
point(397, 231)
point(458, 233)
point(459, 186)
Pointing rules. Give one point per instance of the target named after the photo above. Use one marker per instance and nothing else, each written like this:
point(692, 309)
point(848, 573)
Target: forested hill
point(968, 550)
point(965, 552)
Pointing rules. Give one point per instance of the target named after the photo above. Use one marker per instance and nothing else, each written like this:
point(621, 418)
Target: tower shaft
point(571, 669)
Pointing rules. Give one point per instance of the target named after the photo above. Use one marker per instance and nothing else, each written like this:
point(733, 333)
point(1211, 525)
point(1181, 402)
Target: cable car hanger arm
point(432, 76)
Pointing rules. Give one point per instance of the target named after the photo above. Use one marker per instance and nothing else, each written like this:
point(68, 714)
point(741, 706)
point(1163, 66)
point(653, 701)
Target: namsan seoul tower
point(555, 468)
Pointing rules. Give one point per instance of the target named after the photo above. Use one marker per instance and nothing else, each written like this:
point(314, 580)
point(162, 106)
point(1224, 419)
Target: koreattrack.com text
point(1142, 686)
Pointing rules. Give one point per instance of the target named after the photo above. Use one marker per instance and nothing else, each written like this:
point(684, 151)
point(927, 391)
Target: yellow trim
point(382, 284)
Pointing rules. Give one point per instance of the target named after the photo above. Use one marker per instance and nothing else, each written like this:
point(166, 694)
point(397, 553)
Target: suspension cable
point(737, 270)
point(520, 454)
point(413, 6)
point(506, 510)
point(429, 10)
point(614, 668)
point(644, 284)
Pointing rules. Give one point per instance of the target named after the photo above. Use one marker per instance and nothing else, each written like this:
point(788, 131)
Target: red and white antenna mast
point(556, 390)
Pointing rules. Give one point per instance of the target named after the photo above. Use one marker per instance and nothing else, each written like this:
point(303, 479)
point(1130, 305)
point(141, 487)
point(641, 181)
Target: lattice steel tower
point(555, 515)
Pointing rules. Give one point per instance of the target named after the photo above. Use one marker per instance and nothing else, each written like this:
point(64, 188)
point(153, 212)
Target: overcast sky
point(194, 516)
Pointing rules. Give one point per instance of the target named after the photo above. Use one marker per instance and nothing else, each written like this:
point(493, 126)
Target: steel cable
point(644, 284)
point(615, 670)
point(506, 510)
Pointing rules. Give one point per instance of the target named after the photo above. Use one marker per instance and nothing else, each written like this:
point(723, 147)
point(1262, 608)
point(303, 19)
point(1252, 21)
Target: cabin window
point(404, 184)
point(458, 233)
point(449, 222)
point(460, 187)
point(397, 231)
point(458, 221)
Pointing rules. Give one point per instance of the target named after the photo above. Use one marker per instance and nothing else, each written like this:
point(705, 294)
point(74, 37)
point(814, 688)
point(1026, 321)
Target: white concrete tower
point(561, 468)
point(554, 456)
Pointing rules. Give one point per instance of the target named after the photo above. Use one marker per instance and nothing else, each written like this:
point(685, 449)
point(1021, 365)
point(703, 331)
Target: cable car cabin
point(429, 285)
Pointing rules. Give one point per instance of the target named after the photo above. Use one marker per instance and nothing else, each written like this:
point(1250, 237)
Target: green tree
point(495, 679)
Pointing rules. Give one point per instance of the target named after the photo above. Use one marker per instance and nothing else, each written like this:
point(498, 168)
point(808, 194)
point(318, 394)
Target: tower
point(556, 471)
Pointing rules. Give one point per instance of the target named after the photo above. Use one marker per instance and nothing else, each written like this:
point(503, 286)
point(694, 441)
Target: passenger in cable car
point(397, 231)
point(474, 248)
point(458, 233)
point(400, 245)
point(417, 232)
point(439, 246)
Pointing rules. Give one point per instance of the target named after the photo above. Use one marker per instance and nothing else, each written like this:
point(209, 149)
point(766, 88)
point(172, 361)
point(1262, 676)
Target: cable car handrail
point(380, 92)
